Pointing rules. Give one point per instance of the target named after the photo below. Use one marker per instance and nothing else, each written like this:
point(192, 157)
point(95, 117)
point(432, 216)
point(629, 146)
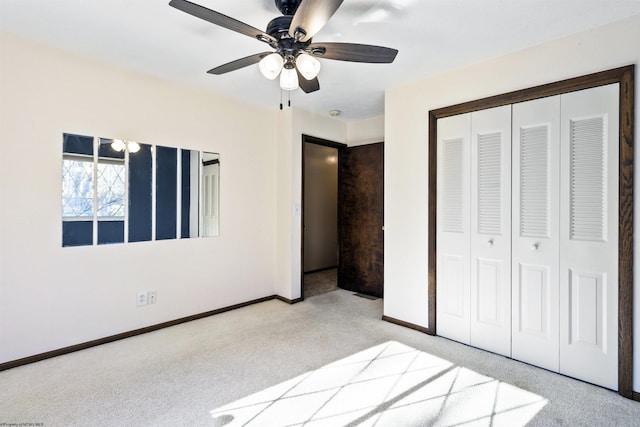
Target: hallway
point(320, 282)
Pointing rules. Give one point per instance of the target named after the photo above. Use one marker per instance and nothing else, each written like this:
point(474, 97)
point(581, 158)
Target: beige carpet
point(328, 361)
point(320, 282)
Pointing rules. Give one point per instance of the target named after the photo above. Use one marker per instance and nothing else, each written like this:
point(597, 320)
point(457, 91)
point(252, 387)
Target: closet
point(527, 232)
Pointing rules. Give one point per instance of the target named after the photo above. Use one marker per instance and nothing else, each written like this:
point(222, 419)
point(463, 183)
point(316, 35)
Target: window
point(116, 191)
point(77, 187)
point(111, 188)
point(93, 191)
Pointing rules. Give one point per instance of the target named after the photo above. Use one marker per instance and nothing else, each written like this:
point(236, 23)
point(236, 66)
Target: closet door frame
point(625, 77)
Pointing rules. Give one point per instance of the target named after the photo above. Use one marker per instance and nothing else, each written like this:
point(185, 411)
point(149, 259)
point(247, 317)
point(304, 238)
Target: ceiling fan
point(290, 35)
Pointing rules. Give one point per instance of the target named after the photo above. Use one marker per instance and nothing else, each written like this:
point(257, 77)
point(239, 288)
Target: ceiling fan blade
point(238, 63)
point(311, 17)
point(353, 52)
point(221, 20)
point(308, 86)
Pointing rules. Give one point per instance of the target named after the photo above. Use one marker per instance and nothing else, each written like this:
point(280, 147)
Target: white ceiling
point(432, 36)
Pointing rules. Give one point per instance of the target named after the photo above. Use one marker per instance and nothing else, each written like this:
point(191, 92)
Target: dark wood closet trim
point(625, 77)
point(83, 346)
point(325, 142)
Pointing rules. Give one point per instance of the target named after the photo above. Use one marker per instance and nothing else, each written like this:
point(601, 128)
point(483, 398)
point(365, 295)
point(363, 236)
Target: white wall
point(406, 139)
point(365, 131)
point(52, 297)
point(320, 214)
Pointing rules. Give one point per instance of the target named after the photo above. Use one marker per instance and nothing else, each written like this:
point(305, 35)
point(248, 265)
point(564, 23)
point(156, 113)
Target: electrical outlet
point(141, 298)
point(152, 297)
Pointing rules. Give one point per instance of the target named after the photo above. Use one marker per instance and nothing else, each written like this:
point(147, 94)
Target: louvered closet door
point(453, 228)
point(589, 236)
point(535, 239)
point(491, 230)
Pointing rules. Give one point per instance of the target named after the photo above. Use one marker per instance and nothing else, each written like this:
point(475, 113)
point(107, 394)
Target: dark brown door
point(361, 219)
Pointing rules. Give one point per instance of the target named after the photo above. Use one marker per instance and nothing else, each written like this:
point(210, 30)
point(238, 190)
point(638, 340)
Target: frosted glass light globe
point(133, 147)
point(118, 145)
point(271, 65)
point(289, 79)
point(308, 66)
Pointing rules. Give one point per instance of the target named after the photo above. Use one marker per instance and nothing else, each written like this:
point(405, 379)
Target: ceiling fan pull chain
point(280, 99)
point(289, 93)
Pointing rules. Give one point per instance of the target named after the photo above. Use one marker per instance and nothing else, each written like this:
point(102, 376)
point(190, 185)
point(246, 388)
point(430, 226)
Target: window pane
point(77, 188)
point(77, 144)
point(110, 232)
point(111, 189)
point(140, 191)
point(77, 233)
point(105, 150)
point(166, 190)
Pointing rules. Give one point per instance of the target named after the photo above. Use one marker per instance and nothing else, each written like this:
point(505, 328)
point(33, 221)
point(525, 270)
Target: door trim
point(625, 77)
point(324, 142)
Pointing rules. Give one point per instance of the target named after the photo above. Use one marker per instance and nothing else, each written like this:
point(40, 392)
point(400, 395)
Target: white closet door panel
point(535, 234)
point(533, 304)
point(455, 287)
point(488, 284)
point(210, 199)
point(491, 229)
point(453, 228)
point(589, 236)
point(587, 292)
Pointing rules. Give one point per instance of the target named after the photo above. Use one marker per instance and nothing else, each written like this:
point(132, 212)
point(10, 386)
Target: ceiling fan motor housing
point(278, 28)
point(287, 7)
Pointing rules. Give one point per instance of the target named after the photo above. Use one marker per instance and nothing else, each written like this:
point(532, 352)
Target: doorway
point(342, 218)
point(319, 216)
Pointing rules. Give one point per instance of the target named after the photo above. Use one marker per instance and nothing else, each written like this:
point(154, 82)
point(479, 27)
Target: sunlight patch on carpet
point(387, 385)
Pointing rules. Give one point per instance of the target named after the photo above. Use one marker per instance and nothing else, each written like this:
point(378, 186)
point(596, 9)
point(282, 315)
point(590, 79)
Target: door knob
point(535, 246)
point(490, 242)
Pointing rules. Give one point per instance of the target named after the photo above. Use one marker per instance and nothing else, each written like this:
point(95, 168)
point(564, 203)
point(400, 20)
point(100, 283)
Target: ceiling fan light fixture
point(118, 145)
point(289, 79)
point(290, 36)
point(271, 65)
point(133, 147)
point(130, 146)
point(308, 66)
